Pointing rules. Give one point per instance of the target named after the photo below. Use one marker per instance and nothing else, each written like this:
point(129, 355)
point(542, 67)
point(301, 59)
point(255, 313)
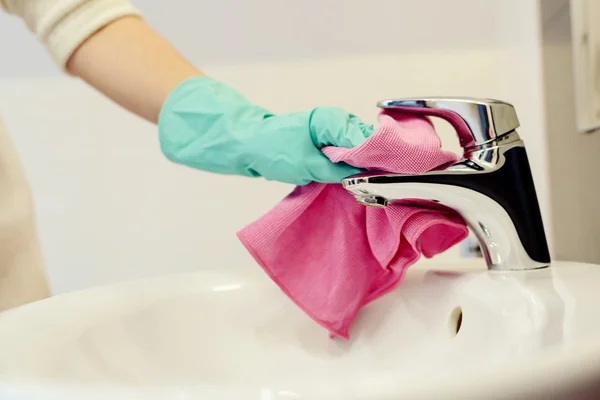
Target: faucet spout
point(491, 187)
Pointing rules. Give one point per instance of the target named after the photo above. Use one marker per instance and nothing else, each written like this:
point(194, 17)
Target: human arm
point(109, 45)
point(138, 73)
point(203, 123)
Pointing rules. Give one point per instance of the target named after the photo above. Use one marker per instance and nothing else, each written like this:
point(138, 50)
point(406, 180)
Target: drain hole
point(456, 318)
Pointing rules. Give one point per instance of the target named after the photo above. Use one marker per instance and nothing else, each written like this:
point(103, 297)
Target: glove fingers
point(331, 126)
point(366, 130)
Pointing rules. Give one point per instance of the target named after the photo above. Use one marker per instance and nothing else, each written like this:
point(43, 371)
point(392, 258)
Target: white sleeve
point(63, 25)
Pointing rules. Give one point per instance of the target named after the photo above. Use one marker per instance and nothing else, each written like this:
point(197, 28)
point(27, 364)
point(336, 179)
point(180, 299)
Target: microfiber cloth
point(332, 255)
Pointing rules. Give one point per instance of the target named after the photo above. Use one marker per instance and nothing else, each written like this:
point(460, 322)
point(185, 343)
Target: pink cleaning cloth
point(332, 255)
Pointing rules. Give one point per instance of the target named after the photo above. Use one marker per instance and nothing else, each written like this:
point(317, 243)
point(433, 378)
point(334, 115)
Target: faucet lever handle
point(476, 121)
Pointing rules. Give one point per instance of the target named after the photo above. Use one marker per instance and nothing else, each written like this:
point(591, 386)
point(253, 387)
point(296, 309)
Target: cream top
point(63, 25)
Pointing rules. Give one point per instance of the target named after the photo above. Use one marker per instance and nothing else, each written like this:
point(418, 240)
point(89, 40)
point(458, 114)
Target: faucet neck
point(492, 190)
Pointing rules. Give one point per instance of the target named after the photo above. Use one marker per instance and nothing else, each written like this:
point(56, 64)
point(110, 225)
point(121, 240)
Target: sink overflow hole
point(456, 317)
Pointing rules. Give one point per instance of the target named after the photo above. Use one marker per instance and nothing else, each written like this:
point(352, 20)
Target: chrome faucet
point(491, 187)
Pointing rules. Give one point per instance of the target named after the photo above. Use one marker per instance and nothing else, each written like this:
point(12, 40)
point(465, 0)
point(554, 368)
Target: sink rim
point(544, 370)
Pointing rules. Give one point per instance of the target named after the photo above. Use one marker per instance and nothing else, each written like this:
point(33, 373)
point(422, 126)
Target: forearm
point(106, 44)
point(132, 65)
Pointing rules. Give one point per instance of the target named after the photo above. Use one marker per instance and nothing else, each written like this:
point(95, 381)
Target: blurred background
point(110, 207)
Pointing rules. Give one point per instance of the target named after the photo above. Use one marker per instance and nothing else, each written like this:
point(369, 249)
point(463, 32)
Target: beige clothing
point(22, 277)
point(62, 25)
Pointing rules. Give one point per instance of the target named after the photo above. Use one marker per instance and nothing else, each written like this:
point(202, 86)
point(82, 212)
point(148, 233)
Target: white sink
point(231, 334)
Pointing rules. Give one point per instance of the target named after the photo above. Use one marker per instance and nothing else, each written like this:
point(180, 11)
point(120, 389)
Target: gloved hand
point(207, 125)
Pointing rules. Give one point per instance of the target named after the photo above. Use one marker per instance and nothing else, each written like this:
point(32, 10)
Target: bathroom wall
point(573, 156)
point(111, 208)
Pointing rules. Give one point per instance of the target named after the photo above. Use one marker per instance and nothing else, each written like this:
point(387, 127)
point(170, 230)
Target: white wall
point(110, 207)
point(573, 156)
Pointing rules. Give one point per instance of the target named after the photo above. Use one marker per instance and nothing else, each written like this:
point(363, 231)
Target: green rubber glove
point(209, 126)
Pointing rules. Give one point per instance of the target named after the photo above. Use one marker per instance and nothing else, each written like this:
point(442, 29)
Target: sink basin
point(446, 332)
